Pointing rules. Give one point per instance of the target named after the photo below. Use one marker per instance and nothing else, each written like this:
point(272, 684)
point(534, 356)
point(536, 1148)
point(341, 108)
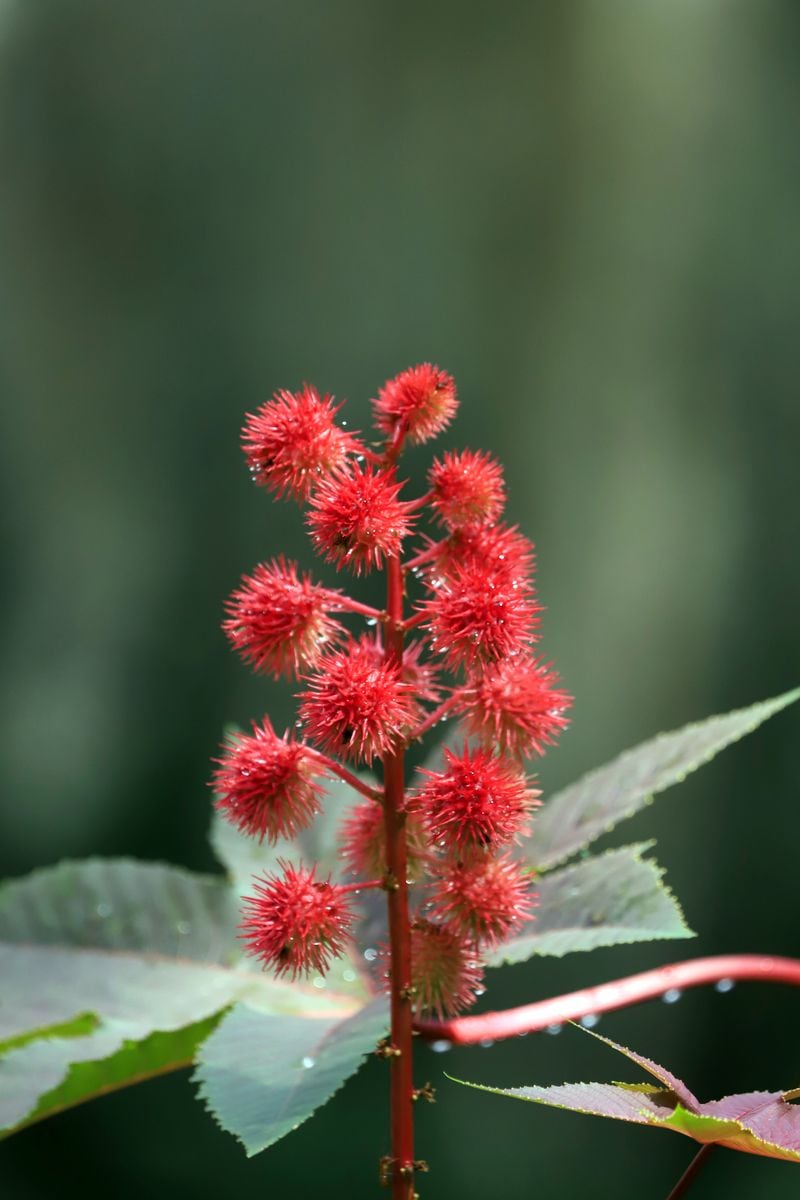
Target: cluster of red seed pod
point(476, 620)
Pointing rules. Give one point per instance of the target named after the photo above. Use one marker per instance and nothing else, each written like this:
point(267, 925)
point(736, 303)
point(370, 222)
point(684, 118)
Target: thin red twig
point(687, 1178)
point(336, 768)
point(605, 997)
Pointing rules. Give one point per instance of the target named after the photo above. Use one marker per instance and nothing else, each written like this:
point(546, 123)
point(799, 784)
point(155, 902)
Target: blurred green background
point(588, 212)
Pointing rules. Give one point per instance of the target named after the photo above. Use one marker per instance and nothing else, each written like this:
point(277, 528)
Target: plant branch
point(425, 556)
point(336, 768)
point(688, 1176)
point(419, 618)
point(621, 993)
point(348, 604)
point(401, 1040)
point(432, 718)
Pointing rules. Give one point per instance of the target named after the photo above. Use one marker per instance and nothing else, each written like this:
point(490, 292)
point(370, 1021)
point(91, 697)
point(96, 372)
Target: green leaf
point(261, 1076)
point(135, 949)
point(614, 898)
point(763, 1123)
point(26, 1076)
point(582, 812)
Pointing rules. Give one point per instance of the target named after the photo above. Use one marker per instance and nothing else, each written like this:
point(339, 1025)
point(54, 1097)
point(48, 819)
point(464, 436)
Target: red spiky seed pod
point(421, 677)
point(483, 900)
point(478, 803)
point(479, 616)
point(362, 838)
point(515, 705)
point(421, 401)
point(357, 707)
point(357, 520)
point(500, 549)
point(266, 785)
point(279, 620)
point(293, 441)
point(467, 488)
point(296, 923)
point(445, 973)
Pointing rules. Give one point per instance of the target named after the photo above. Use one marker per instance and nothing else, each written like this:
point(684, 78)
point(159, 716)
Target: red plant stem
point(418, 619)
point(395, 444)
point(401, 1040)
point(432, 718)
point(425, 556)
point(335, 768)
point(348, 604)
point(688, 1176)
point(529, 1018)
point(359, 886)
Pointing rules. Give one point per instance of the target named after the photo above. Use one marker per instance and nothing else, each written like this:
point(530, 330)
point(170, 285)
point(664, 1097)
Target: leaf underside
point(579, 814)
point(107, 954)
point(608, 900)
point(261, 1076)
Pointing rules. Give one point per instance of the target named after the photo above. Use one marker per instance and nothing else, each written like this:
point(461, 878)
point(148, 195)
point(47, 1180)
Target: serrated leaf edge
point(769, 708)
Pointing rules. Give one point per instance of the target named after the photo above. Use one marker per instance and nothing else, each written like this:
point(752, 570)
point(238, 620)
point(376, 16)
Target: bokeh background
point(588, 212)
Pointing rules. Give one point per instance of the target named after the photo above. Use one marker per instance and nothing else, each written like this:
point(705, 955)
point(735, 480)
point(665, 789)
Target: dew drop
point(372, 620)
point(672, 995)
point(485, 1043)
point(348, 976)
point(103, 910)
point(319, 982)
point(553, 1030)
point(440, 1046)
point(183, 927)
point(370, 954)
point(724, 985)
point(589, 1020)
point(308, 1063)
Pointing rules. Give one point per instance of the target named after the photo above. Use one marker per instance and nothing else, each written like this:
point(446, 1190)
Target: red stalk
point(348, 604)
point(432, 719)
point(649, 985)
point(336, 768)
point(400, 1062)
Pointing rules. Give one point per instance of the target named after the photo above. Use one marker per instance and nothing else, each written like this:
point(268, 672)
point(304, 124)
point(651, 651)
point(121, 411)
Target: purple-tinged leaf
point(762, 1123)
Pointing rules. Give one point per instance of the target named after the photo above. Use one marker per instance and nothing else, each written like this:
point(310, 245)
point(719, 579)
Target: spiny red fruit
point(265, 784)
point(467, 488)
point(293, 441)
point(362, 838)
point(479, 616)
point(356, 519)
point(478, 803)
point(420, 401)
point(444, 971)
point(356, 706)
point(421, 677)
point(295, 922)
point(515, 705)
point(500, 549)
point(279, 620)
point(483, 900)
